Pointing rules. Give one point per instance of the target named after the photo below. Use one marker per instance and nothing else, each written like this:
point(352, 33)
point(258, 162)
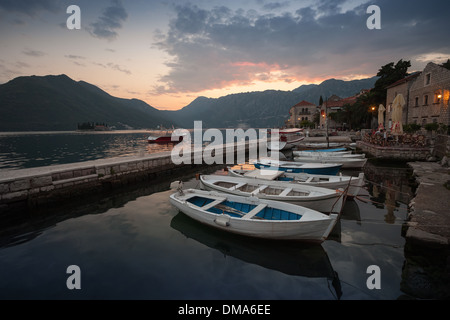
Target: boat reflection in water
point(289, 257)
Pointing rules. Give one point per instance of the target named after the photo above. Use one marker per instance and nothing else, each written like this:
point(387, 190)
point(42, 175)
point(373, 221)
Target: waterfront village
point(410, 126)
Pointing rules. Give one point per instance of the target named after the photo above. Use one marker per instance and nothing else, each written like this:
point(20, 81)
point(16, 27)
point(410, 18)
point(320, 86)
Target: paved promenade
point(430, 210)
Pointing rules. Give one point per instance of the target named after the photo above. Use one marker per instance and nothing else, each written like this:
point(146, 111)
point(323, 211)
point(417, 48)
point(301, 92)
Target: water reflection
point(389, 188)
point(291, 258)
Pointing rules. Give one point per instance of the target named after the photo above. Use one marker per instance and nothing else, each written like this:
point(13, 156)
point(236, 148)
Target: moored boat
point(298, 167)
point(316, 198)
point(354, 184)
point(254, 217)
point(341, 154)
point(345, 162)
point(288, 139)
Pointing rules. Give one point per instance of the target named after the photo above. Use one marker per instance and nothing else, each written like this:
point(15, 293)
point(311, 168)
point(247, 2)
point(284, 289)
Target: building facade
point(302, 111)
point(402, 87)
point(429, 96)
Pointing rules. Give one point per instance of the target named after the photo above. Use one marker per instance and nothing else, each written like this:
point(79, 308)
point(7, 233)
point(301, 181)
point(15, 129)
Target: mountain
point(60, 103)
point(329, 87)
point(261, 109)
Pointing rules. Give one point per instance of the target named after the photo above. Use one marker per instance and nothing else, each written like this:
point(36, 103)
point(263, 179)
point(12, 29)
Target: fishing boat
point(254, 217)
point(288, 139)
point(310, 152)
point(345, 162)
point(343, 154)
point(298, 167)
point(316, 198)
point(354, 184)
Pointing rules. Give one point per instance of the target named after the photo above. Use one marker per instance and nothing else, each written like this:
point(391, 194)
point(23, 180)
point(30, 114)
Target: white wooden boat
point(298, 167)
point(354, 184)
point(316, 198)
point(345, 162)
point(254, 217)
point(344, 154)
point(288, 139)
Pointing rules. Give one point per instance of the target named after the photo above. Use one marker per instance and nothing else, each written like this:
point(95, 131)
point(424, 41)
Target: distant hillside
point(329, 87)
point(261, 109)
point(60, 103)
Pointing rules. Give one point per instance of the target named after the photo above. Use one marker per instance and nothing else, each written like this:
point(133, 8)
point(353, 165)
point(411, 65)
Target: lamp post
point(372, 109)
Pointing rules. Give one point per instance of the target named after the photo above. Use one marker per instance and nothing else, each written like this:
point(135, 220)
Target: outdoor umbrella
point(397, 111)
point(381, 110)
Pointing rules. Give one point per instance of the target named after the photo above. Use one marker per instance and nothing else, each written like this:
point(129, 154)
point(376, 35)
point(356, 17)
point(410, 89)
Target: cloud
point(33, 53)
point(30, 8)
point(109, 22)
point(220, 47)
point(113, 66)
point(74, 57)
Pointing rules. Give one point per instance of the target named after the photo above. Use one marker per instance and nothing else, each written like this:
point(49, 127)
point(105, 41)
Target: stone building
point(335, 104)
point(400, 87)
point(426, 95)
point(302, 111)
point(429, 96)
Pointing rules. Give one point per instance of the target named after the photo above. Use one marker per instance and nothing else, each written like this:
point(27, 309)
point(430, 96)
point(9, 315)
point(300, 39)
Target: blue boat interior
point(238, 209)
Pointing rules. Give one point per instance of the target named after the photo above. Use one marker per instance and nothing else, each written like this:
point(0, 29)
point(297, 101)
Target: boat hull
point(322, 199)
point(283, 145)
point(315, 229)
point(299, 168)
point(354, 184)
point(345, 162)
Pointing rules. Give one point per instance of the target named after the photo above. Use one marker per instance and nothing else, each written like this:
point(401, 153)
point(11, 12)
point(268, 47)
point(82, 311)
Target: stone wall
point(401, 154)
point(442, 146)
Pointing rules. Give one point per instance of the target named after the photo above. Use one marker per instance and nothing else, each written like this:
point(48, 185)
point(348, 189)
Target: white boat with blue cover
point(298, 167)
point(316, 198)
point(254, 217)
point(354, 184)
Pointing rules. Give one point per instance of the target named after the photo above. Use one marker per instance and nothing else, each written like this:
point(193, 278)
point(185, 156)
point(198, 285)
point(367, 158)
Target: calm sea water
point(135, 245)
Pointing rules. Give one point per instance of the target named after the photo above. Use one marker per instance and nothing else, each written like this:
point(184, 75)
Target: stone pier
point(31, 188)
point(426, 273)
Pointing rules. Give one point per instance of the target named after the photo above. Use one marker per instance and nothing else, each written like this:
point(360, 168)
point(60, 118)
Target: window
point(427, 79)
point(416, 103)
point(424, 122)
point(437, 97)
point(425, 100)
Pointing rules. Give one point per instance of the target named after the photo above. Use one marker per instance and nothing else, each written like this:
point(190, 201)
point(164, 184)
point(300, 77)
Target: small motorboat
point(316, 198)
point(254, 217)
point(317, 180)
point(165, 137)
point(345, 162)
point(298, 167)
point(288, 139)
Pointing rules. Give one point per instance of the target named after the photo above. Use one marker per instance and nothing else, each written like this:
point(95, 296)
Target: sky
point(167, 53)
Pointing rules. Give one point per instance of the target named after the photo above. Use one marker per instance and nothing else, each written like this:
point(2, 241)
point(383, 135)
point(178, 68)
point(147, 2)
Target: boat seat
point(255, 211)
point(255, 192)
point(309, 180)
point(212, 204)
point(238, 185)
point(285, 192)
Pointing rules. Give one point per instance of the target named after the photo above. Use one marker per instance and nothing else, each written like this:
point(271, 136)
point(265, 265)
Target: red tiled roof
point(304, 104)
